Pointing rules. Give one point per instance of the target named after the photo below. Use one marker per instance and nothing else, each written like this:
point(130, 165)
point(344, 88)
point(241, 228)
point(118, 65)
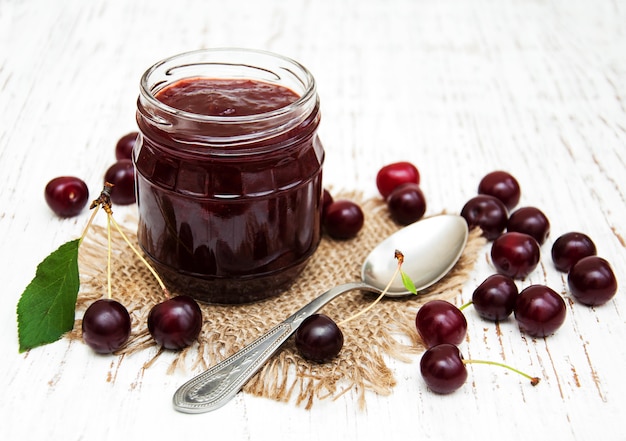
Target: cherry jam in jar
point(229, 172)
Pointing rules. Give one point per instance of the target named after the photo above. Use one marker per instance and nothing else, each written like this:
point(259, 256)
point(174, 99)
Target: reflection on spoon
point(431, 247)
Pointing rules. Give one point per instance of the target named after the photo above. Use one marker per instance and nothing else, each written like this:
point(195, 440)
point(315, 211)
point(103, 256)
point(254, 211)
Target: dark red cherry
point(343, 220)
point(122, 176)
point(531, 221)
point(66, 195)
point(125, 145)
point(406, 204)
point(515, 255)
point(539, 311)
point(106, 326)
point(486, 212)
point(501, 185)
point(570, 248)
point(318, 338)
point(327, 199)
point(176, 322)
point(592, 281)
point(438, 321)
point(392, 175)
point(442, 368)
point(494, 299)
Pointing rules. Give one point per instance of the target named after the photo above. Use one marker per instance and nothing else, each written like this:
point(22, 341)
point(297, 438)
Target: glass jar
point(229, 189)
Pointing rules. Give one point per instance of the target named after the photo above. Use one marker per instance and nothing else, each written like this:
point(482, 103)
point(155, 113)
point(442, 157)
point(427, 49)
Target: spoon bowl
point(431, 247)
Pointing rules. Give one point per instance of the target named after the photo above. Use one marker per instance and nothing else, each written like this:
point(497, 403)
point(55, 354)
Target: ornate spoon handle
point(216, 386)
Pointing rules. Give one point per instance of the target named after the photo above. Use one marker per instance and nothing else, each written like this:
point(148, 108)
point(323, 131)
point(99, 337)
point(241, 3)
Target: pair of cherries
point(67, 196)
point(174, 324)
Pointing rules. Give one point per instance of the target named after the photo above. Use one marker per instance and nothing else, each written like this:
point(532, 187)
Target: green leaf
point(47, 306)
point(408, 283)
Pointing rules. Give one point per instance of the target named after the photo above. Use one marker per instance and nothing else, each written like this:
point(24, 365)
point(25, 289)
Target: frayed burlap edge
point(387, 330)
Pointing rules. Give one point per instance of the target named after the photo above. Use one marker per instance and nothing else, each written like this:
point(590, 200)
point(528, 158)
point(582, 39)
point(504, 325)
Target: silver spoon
point(431, 247)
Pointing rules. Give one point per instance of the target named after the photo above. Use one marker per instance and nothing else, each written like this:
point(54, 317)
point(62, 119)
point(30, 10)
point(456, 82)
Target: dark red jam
point(226, 97)
point(229, 186)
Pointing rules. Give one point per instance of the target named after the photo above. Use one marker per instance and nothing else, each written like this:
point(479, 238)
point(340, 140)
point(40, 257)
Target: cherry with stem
point(444, 369)
point(320, 339)
point(106, 323)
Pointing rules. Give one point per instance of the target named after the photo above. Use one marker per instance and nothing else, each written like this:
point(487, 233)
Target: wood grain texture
point(536, 87)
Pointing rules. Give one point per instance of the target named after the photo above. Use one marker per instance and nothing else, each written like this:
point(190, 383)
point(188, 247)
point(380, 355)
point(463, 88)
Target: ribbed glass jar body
point(229, 184)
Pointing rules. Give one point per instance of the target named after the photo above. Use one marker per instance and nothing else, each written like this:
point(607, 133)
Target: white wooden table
point(459, 88)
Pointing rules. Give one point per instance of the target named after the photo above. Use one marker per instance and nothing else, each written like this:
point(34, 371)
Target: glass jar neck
point(194, 132)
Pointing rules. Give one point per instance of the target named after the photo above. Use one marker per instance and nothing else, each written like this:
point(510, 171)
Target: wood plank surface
point(460, 88)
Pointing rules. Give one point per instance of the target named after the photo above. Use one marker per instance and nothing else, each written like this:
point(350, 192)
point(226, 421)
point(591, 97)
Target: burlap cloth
point(387, 330)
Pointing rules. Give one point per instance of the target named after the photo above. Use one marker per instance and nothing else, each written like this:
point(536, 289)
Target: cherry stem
point(466, 305)
point(400, 257)
point(89, 222)
point(104, 201)
point(109, 289)
point(138, 254)
point(533, 380)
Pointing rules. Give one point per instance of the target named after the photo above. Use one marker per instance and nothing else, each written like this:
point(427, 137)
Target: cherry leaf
point(408, 283)
point(47, 306)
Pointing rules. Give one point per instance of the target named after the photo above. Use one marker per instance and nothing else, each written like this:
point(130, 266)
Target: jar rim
point(148, 92)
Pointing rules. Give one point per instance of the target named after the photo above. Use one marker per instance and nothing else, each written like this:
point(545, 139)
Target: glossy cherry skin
point(501, 185)
point(569, 248)
point(66, 195)
point(327, 199)
point(125, 145)
point(531, 221)
point(122, 175)
point(486, 212)
point(438, 321)
point(318, 338)
point(592, 281)
point(176, 322)
point(539, 311)
point(106, 326)
point(494, 299)
point(515, 255)
point(406, 204)
point(442, 368)
point(392, 175)
point(343, 219)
